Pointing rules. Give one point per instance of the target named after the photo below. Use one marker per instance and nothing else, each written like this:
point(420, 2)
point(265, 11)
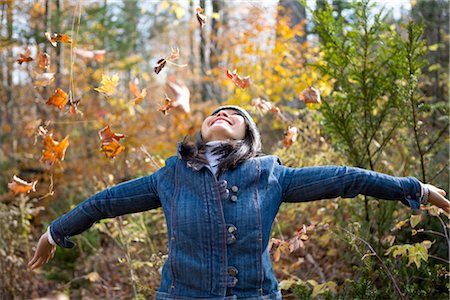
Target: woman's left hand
point(437, 197)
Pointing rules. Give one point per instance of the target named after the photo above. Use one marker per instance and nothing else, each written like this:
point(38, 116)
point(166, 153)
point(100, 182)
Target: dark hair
point(234, 152)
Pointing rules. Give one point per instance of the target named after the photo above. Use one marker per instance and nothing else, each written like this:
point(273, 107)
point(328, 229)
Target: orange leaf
point(290, 136)
point(107, 135)
point(242, 82)
point(58, 38)
point(54, 150)
point(25, 57)
point(59, 99)
point(310, 95)
point(202, 19)
point(112, 149)
point(138, 96)
point(43, 60)
point(21, 186)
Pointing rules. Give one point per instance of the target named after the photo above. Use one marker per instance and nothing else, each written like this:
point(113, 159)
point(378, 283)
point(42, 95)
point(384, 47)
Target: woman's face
point(227, 124)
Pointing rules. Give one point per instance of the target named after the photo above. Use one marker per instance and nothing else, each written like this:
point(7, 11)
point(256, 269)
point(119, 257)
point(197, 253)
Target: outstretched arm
point(325, 182)
point(128, 197)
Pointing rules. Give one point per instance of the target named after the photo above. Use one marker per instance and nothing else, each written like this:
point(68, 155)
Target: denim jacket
point(219, 228)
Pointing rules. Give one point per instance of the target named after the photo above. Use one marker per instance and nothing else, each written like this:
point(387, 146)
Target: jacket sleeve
point(326, 182)
point(132, 196)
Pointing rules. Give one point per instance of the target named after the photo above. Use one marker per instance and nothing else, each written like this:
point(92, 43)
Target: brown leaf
point(167, 106)
point(24, 57)
point(242, 82)
point(107, 135)
point(21, 186)
point(43, 60)
point(58, 99)
point(58, 38)
point(310, 95)
point(54, 151)
point(202, 19)
point(73, 107)
point(290, 136)
point(160, 65)
point(112, 149)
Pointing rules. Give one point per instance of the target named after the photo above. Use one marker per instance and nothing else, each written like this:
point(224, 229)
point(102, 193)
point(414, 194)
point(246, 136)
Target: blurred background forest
point(382, 75)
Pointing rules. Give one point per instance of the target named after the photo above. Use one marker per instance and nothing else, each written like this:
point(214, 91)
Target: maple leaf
point(180, 93)
point(138, 95)
point(107, 135)
point(290, 136)
point(43, 79)
point(110, 142)
point(54, 151)
point(242, 82)
point(108, 84)
point(202, 19)
point(43, 60)
point(265, 105)
point(111, 149)
point(310, 95)
point(25, 57)
point(56, 38)
point(58, 99)
point(21, 186)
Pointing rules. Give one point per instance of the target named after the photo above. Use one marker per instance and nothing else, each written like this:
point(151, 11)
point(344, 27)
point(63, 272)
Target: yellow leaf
point(108, 84)
point(414, 220)
point(434, 67)
point(400, 224)
point(434, 47)
point(215, 15)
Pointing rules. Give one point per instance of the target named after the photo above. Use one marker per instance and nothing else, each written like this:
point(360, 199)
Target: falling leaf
point(54, 151)
point(43, 60)
point(43, 79)
point(160, 65)
point(21, 186)
point(25, 57)
point(180, 93)
point(73, 107)
point(107, 135)
point(166, 106)
point(112, 149)
point(58, 38)
point(265, 105)
point(290, 136)
point(174, 54)
point(138, 95)
point(58, 99)
point(202, 19)
point(108, 84)
point(242, 82)
point(310, 95)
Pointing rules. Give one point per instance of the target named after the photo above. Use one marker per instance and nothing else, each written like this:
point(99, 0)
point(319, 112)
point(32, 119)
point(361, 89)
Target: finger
point(33, 260)
point(38, 263)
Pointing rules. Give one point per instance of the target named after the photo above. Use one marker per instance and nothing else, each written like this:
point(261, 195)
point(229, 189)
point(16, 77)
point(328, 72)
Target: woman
point(220, 198)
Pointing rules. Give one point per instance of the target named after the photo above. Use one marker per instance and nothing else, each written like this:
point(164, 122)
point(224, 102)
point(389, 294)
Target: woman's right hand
point(44, 252)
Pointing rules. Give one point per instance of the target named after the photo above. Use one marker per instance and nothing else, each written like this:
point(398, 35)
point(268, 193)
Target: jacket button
point(234, 189)
point(232, 271)
point(223, 183)
point(231, 228)
point(233, 198)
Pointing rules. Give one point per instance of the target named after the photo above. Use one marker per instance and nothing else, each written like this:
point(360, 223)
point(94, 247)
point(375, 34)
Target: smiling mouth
point(220, 119)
